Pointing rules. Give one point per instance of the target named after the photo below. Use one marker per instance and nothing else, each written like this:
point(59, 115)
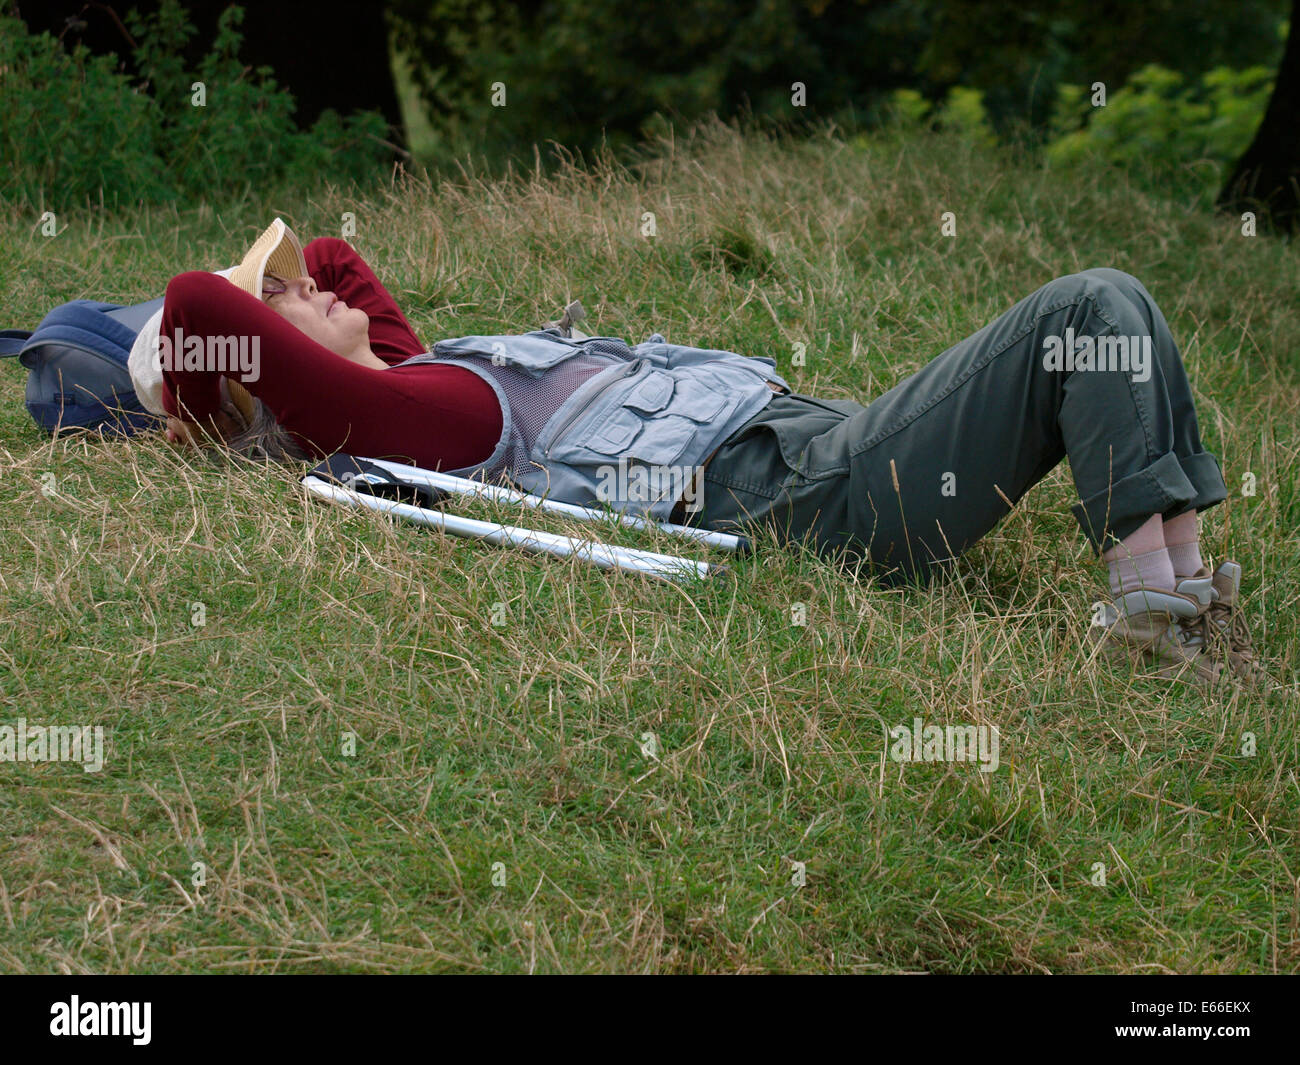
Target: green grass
point(521, 744)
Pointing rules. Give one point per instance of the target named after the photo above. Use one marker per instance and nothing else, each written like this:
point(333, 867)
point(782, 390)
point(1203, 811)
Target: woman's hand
point(190, 434)
point(181, 433)
point(236, 413)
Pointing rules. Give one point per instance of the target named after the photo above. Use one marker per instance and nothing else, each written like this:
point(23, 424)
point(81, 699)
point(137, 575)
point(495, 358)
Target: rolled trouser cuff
point(1162, 487)
point(1202, 469)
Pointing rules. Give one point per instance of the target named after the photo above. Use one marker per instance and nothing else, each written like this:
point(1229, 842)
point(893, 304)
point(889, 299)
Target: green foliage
point(76, 129)
point(962, 113)
point(1162, 126)
point(590, 76)
point(607, 75)
point(1018, 54)
point(908, 107)
point(71, 125)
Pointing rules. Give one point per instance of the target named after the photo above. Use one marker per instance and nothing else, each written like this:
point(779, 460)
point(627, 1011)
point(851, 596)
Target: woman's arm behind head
point(337, 267)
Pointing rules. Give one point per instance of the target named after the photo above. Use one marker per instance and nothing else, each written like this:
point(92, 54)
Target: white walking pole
point(607, 556)
point(463, 486)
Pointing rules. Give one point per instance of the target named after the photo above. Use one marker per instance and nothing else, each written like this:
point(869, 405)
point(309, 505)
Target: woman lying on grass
point(1084, 368)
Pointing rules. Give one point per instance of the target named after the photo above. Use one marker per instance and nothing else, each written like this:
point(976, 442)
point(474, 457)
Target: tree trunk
point(1266, 179)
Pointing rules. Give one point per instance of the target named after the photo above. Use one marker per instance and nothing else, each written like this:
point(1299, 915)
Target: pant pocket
point(813, 442)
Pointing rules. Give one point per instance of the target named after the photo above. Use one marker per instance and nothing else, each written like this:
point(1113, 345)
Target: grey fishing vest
point(593, 421)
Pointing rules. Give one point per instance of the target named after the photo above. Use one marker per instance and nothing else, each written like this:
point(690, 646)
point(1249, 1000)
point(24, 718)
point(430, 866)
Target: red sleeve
point(437, 416)
point(336, 267)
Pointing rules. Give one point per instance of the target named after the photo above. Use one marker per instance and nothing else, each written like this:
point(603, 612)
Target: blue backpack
point(77, 367)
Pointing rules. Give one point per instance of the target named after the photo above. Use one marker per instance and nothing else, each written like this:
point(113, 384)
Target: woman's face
point(321, 315)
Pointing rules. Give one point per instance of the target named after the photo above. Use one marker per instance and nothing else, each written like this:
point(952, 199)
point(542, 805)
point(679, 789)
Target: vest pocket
point(692, 399)
point(655, 423)
point(616, 433)
point(627, 434)
point(699, 404)
point(652, 394)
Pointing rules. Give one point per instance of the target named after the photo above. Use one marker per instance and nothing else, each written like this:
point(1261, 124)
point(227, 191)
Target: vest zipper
point(632, 368)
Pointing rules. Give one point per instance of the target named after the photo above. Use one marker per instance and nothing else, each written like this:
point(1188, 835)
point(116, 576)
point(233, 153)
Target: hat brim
point(276, 251)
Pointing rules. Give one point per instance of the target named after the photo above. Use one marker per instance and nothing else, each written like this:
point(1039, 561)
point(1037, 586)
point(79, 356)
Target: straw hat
point(276, 251)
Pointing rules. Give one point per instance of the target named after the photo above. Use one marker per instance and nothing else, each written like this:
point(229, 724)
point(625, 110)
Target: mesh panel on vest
point(534, 400)
point(610, 346)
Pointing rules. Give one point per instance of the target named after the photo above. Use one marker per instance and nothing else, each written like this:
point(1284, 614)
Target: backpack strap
point(90, 325)
point(78, 321)
point(12, 341)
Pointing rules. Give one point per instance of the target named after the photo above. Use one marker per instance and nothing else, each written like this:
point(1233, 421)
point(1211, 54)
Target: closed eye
point(273, 286)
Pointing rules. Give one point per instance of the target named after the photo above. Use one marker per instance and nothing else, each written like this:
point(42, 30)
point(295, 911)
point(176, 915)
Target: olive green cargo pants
point(917, 476)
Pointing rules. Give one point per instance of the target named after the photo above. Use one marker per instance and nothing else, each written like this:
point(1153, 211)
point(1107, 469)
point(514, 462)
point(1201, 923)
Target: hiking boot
point(1143, 628)
point(1223, 631)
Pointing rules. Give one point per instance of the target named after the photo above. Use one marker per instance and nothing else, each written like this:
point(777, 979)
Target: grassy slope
point(521, 743)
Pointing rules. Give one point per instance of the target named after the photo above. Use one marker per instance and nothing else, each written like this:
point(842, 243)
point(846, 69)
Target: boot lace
point(1200, 635)
point(1232, 628)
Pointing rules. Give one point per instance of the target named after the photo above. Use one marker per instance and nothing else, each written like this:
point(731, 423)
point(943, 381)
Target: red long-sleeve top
point(440, 417)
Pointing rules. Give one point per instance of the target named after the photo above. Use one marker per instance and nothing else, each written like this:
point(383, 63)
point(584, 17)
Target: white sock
point(1182, 541)
point(1152, 570)
point(1186, 558)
